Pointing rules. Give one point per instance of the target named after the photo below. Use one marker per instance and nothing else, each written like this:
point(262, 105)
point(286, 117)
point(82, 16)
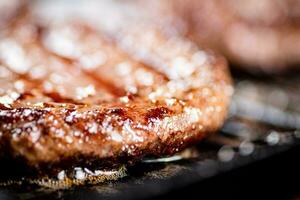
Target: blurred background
point(255, 155)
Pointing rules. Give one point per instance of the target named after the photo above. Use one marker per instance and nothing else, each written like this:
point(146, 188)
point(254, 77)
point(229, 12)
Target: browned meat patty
point(258, 35)
point(70, 94)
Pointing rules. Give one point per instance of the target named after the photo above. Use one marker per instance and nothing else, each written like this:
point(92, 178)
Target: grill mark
point(146, 65)
point(155, 70)
point(29, 83)
point(148, 62)
point(98, 81)
point(35, 84)
point(107, 85)
point(2, 107)
point(143, 63)
point(57, 98)
point(157, 114)
point(24, 95)
point(72, 63)
point(112, 88)
point(112, 41)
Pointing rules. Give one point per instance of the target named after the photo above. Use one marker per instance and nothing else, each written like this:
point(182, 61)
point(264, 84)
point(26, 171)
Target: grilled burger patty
point(71, 94)
point(258, 35)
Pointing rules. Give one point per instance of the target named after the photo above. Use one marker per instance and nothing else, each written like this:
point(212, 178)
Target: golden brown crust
point(77, 94)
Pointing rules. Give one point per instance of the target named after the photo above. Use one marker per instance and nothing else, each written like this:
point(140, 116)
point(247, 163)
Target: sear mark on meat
point(72, 94)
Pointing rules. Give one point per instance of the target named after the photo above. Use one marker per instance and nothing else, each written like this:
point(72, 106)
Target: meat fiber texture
point(77, 92)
